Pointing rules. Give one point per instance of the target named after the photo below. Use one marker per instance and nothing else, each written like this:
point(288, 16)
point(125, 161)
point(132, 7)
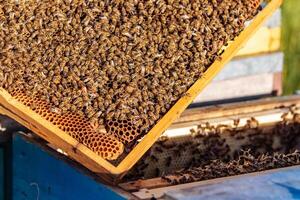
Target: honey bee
point(158, 149)
point(90, 112)
point(153, 158)
point(168, 161)
point(166, 178)
point(236, 122)
point(157, 172)
point(54, 100)
point(55, 110)
point(252, 123)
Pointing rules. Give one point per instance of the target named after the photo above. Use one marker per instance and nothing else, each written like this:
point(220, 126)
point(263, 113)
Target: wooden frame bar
point(227, 110)
point(159, 191)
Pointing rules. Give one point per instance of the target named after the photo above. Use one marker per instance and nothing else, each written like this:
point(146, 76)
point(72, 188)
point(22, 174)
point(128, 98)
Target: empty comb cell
point(254, 4)
point(125, 130)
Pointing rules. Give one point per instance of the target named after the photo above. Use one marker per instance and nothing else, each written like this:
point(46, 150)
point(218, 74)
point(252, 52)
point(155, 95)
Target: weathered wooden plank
point(260, 64)
point(238, 87)
point(280, 184)
point(225, 110)
point(275, 20)
point(261, 182)
point(158, 187)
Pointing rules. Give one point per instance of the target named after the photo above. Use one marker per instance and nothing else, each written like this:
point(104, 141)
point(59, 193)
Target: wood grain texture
point(241, 108)
point(260, 64)
point(248, 183)
point(237, 87)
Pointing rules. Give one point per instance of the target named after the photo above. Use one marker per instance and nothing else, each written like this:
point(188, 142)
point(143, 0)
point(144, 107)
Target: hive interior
point(217, 151)
point(106, 71)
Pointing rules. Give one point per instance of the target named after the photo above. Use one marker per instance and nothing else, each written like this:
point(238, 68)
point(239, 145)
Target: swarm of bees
point(245, 163)
point(208, 145)
point(114, 60)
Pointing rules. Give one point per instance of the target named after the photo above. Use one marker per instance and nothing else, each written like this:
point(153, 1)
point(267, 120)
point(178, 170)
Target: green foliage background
point(291, 45)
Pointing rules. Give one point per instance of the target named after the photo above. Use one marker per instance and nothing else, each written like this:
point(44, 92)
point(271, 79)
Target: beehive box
point(267, 128)
point(64, 131)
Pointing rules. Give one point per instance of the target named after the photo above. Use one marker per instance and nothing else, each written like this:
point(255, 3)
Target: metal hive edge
point(27, 117)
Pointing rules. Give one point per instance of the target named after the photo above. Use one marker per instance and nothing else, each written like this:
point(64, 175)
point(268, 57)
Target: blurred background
point(291, 45)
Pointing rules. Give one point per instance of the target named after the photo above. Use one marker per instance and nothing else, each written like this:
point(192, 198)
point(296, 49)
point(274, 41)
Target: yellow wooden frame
point(24, 115)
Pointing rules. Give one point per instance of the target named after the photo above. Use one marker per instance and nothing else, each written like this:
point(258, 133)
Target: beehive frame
point(60, 139)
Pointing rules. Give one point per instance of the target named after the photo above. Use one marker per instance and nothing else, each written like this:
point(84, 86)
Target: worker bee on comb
point(122, 60)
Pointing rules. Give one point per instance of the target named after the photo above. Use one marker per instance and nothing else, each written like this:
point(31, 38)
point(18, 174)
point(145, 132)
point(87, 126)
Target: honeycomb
point(222, 143)
point(125, 130)
point(103, 144)
point(246, 162)
point(116, 64)
point(254, 4)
